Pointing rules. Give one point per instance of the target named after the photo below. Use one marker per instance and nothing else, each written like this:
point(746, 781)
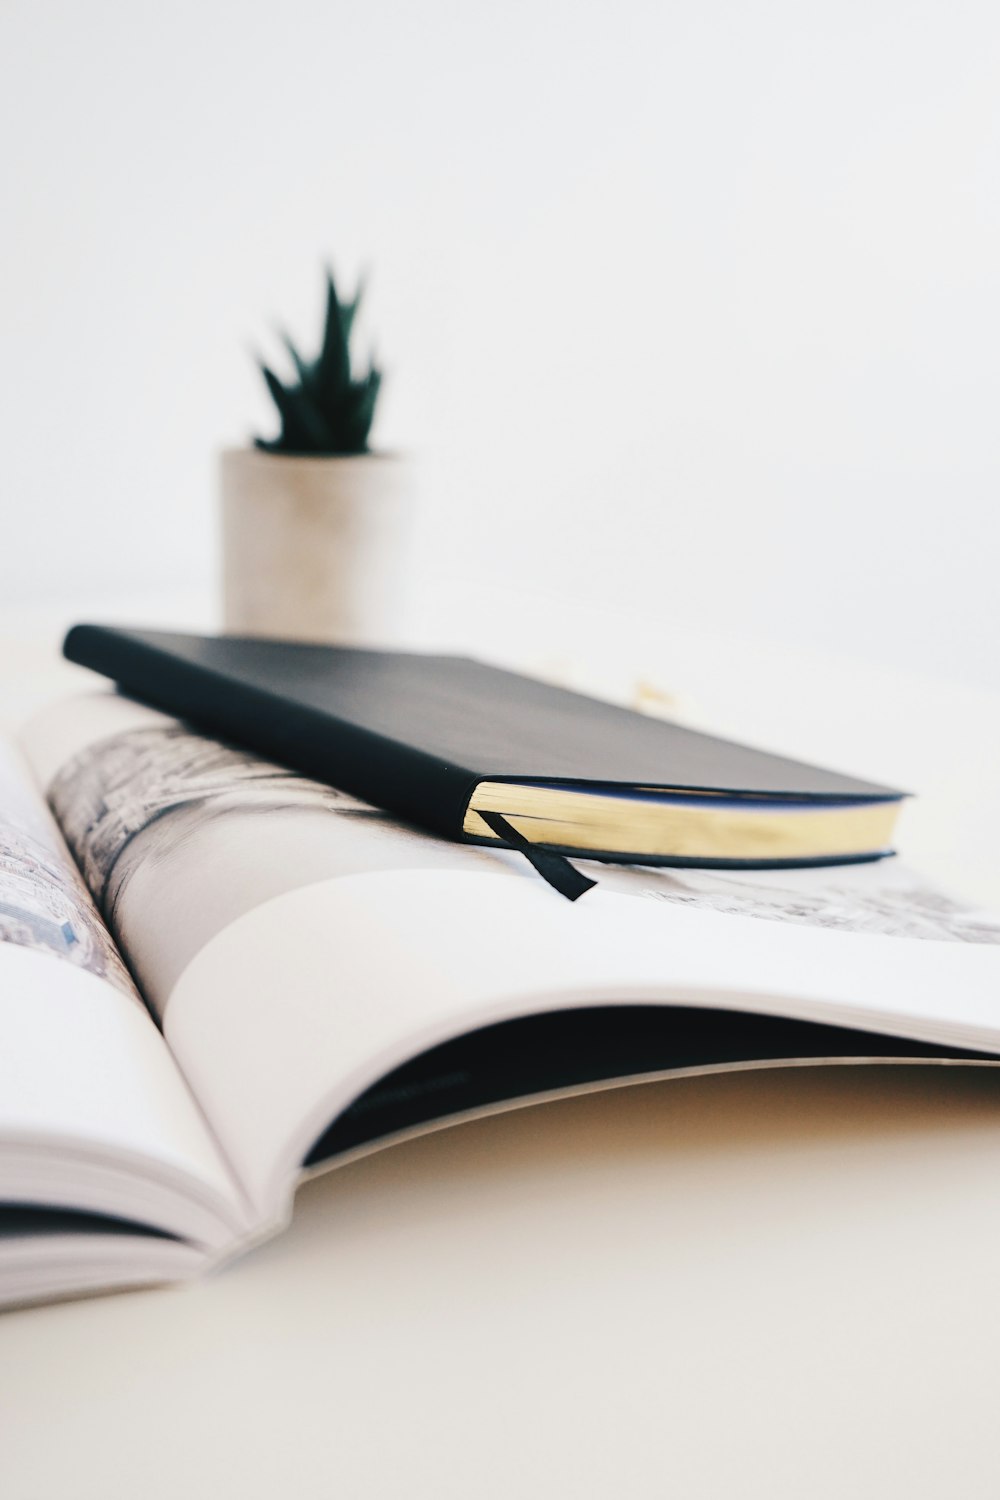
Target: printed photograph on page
point(44, 905)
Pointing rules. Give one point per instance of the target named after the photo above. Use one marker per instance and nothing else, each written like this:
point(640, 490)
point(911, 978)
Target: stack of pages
point(218, 976)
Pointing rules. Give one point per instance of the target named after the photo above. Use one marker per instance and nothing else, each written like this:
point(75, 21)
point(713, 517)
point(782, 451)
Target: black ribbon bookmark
point(553, 868)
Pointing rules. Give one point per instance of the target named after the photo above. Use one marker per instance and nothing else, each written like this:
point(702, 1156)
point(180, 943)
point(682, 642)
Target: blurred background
point(689, 311)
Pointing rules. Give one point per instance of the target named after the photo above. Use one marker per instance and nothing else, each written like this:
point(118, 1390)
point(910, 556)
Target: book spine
point(387, 773)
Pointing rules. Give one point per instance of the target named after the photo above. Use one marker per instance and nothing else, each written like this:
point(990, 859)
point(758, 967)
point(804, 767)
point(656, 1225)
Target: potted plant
point(313, 522)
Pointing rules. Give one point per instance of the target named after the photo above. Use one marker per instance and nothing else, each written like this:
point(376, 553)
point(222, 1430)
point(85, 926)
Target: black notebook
point(483, 755)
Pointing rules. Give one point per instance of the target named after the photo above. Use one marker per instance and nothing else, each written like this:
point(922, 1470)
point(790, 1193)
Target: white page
point(299, 944)
point(94, 1113)
point(423, 956)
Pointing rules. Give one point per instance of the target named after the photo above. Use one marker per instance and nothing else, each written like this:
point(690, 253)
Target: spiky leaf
point(333, 368)
point(303, 370)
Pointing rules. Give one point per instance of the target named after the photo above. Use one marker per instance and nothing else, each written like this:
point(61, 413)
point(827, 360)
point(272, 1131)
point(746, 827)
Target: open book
point(217, 977)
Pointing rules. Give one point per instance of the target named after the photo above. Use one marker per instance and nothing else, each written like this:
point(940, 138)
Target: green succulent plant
point(329, 411)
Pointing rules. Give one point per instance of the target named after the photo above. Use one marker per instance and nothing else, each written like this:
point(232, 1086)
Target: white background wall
point(690, 305)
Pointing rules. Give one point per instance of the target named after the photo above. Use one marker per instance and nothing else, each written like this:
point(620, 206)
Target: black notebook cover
point(414, 733)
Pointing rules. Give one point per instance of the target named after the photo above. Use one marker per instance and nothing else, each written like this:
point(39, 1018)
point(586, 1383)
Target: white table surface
point(763, 1285)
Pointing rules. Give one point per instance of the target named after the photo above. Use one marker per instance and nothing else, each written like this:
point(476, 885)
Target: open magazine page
point(296, 944)
point(94, 1114)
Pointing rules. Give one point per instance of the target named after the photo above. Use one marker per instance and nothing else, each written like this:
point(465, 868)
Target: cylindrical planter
point(314, 549)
